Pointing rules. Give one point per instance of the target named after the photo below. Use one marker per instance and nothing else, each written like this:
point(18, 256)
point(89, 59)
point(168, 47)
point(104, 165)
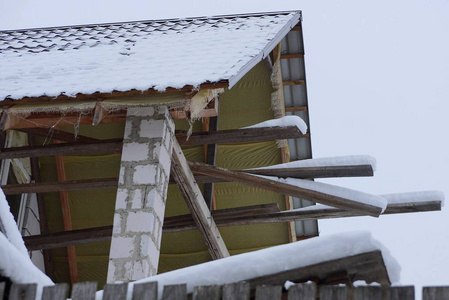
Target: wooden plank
point(175, 292)
point(296, 28)
point(106, 146)
point(236, 291)
point(207, 292)
point(99, 114)
point(147, 291)
point(248, 135)
point(286, 189)
point(367, 266)
point(84, 291)
point(294, 82)
point(268, 292)
point(367, 293)
point(115, 291)
point(303, 291)
point(292, 55)
point(22, 291)
point(399, 293)
point(296, 108)
point(435, 292)
point(195, 202)
point(211, 151)
point(59, 135)
point(316, 172)
point(65, 185)
point(67, 220)
point(333, 292)
point(59, 291)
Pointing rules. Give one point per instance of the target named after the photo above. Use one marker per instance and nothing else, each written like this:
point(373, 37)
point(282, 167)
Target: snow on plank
point(314, 191)
point(285, 121)
point(247, 266)
point(340, 166)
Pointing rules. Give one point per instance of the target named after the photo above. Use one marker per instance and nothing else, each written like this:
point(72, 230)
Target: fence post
point(22, 291)
point(333, 292)
point(55, 292)
point(115, 291)
point(175, 292)
point(207, 292)
point(268, 292)
point(84, 291)
point(400, 293)
point(236, 291)
point(435, 292)
point(368, 293)
point(146, 291)
point(302, 291)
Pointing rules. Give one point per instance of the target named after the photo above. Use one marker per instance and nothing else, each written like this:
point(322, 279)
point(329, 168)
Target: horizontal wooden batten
point(229, 217)
point(296, 108)
point(294, 82)
point(292, 55)
point(248, 135)
point(286, 189)
point(59, 135)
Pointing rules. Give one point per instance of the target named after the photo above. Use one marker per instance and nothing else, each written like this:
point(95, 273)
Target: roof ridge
point(258, 14)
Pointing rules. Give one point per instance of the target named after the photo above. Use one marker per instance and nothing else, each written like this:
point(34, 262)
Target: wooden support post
point(286, 189)
point(211, 151)
point(35, 173)
point(195, 202)
point(67, 220)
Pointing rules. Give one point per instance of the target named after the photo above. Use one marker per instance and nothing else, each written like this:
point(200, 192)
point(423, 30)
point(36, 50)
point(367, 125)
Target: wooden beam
point(99, 114)
point(67, 220)
point(292, 55)
point(198, 138)
point(230, 217)
point(59, 135)
point(294, 82)
point(195, 202)
point(296, 108)
point(302, 173)
point(285, 189)
point(296, 28)
point(247, 135)
point(210, 151)
point(67, 185)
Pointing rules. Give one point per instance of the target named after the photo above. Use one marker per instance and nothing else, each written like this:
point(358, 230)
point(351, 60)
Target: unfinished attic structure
point(131, 149)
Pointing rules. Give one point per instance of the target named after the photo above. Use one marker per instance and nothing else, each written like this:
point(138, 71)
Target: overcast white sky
point(377, 76)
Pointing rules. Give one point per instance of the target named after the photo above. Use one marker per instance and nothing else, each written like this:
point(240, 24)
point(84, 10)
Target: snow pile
point(17, 267)
point(12, 233)
point(421, 196)
point(349, 160)
point(273, 260)
point(283, 122)
point(334, 190)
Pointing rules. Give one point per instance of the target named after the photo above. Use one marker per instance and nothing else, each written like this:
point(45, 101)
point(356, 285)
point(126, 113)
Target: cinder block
point(121, 198)
point(121, 247)
point(140, 221)
point(135, 151)
point(152, 128)
point(147, 111)
point(145, 174)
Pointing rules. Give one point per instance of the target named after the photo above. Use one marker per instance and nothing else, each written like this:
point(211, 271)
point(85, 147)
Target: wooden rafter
point(302, 173)
point(210, 156)
point(286, 189)
point(229, 217)
point(67, 220)
point(195, 202)
point(198, 138)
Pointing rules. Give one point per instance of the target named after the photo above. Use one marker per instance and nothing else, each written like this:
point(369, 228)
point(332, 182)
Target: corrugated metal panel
point(295, 96)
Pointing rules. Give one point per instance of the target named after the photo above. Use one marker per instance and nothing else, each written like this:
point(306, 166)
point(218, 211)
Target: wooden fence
point(236, 291)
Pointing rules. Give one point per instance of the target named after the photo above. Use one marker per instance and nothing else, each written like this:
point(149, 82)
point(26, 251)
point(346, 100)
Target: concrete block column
point(141, 194)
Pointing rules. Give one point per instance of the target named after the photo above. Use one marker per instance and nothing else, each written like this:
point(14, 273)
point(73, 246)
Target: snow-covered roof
point(137, 55)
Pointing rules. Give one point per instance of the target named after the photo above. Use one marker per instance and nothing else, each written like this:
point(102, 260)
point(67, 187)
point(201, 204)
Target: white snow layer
point(164, 58)
point(334, 190)
point(19, 268)
point(273, 260)
point(349, 160)
point(421, 196)
point(283, 122)
point(12, 232)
